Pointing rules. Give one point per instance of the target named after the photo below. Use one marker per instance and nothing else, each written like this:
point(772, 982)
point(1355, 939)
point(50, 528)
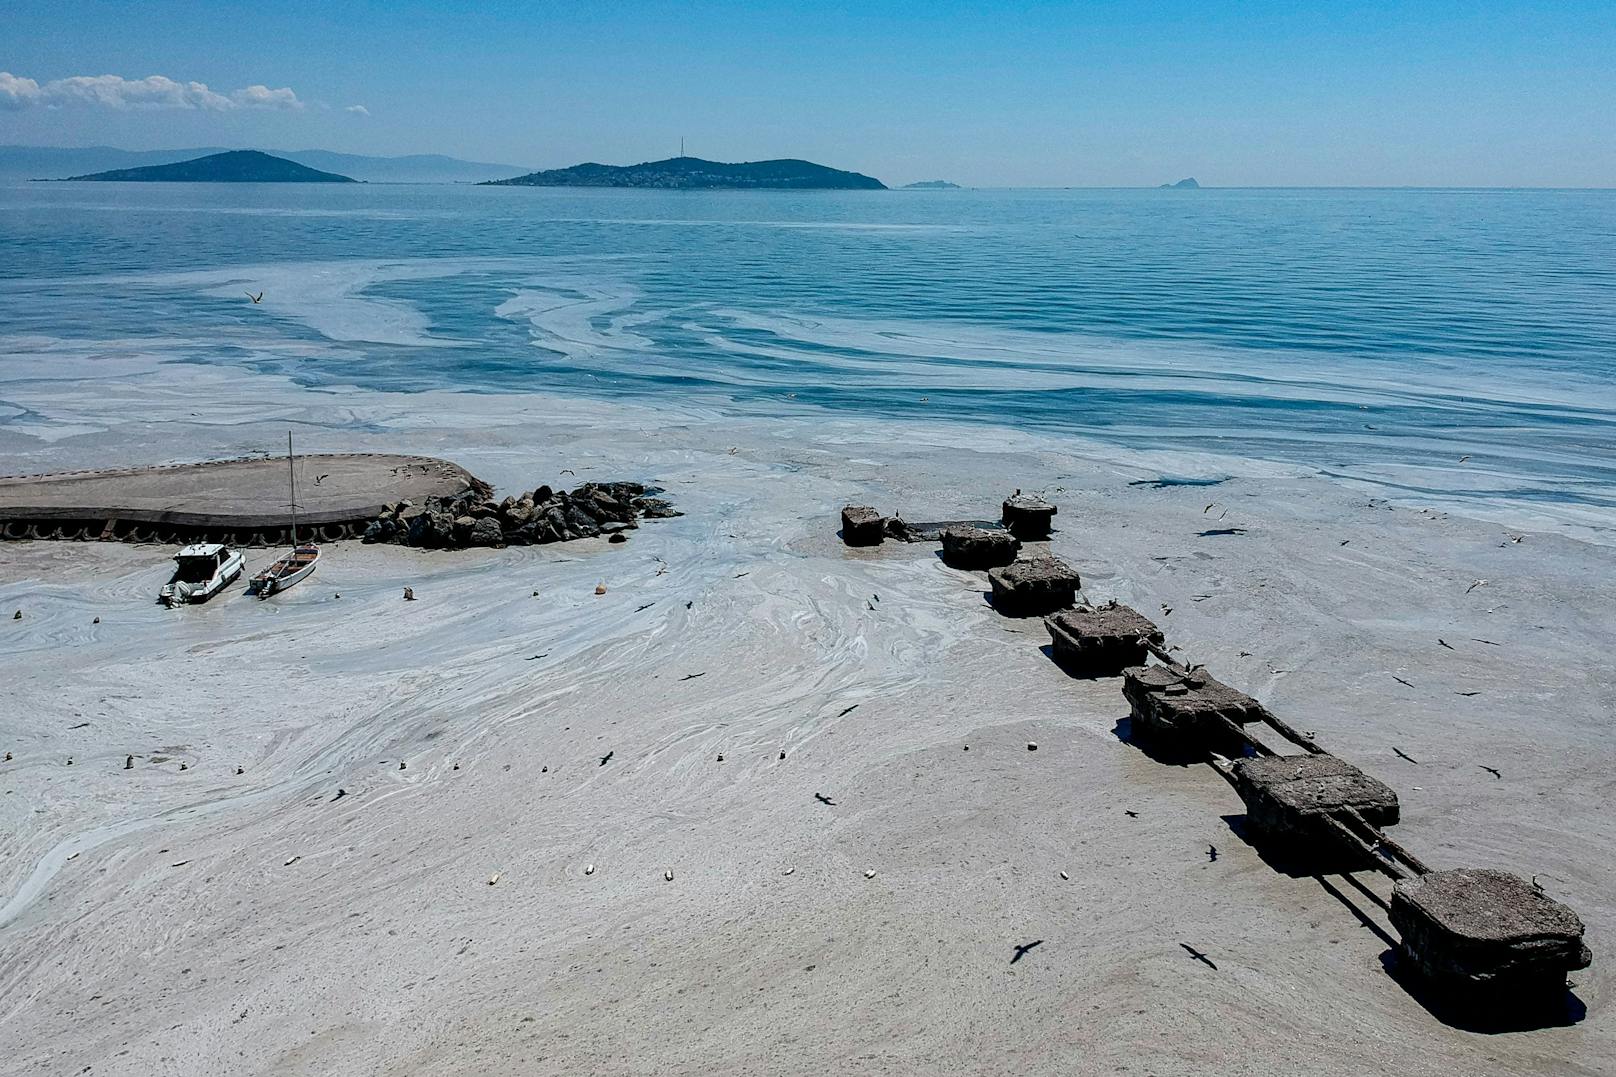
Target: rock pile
point(545, 515)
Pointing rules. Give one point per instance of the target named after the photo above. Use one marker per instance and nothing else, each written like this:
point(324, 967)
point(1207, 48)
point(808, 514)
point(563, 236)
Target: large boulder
point(431, 528)
point(655, 508)
point(486, 532)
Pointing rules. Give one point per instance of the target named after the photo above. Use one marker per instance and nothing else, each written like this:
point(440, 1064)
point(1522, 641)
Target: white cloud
point(357, 110)
point(264, 97)
point(154, 91)
point(17, 92)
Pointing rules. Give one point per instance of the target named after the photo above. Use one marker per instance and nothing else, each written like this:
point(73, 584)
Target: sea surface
point(1451, 346)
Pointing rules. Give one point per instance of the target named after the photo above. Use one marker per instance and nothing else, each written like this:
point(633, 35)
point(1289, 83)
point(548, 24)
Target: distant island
point(1183, 185)
point(234, 166)
point(931, 185)
point(692, 173)
point(19, 163)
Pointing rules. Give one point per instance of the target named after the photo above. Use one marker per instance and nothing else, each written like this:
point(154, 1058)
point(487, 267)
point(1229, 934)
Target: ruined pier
point(1485, 941)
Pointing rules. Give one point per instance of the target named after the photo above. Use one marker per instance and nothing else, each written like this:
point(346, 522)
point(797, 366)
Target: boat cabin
point(199, 563)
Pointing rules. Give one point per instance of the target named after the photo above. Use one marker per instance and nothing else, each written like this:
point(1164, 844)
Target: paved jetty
point(242, 502)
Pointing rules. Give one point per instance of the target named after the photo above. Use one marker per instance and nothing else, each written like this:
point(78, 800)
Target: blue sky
point(990, 93)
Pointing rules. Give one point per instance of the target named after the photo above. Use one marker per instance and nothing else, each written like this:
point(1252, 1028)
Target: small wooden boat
point(300, 562)
point(295, 566)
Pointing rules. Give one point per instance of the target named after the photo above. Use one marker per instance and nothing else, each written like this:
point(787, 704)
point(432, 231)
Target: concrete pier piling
point(1487, 938)
point(1034, 587)
point(969, 547)
point(1028, 516)
point(1185, 712)
point(1290, 798)
point(862, 526)
point(1100, 642)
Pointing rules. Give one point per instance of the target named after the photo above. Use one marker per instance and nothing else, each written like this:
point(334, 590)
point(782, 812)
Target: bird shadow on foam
point(1515, 1015)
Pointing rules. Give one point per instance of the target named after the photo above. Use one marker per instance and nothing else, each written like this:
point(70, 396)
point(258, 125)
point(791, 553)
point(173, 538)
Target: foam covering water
point(1452, 346)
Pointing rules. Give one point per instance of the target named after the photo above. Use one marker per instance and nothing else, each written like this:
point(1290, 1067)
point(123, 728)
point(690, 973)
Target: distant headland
point(931, 185)
point(693, 173)
point(1183, 185)
point(235, 166)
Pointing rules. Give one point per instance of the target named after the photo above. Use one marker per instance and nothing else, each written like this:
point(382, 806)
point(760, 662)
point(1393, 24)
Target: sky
point(984, 94)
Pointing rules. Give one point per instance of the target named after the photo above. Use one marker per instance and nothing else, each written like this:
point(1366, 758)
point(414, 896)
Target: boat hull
point(286, 572)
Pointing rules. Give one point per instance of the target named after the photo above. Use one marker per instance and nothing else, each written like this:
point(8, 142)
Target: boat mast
point(291, 473)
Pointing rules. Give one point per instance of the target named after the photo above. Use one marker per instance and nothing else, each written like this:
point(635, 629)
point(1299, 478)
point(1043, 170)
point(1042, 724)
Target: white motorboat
point(202, 571)
point(298, 564)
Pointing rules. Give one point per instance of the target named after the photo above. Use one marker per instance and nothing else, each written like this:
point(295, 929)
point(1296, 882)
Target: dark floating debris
point(1168, 481)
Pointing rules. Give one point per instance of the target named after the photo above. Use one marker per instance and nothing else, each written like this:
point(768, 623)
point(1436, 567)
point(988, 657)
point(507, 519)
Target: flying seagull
point(259, 298)
point(1199, 956)
point(1404, 755)
point(1490, 770)
point(1024, 949)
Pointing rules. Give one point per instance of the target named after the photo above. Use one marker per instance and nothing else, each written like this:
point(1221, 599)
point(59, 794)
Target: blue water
point(1371, 335)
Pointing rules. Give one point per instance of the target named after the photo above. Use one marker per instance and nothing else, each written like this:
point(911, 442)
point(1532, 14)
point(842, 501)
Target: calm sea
point(1371, 335)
